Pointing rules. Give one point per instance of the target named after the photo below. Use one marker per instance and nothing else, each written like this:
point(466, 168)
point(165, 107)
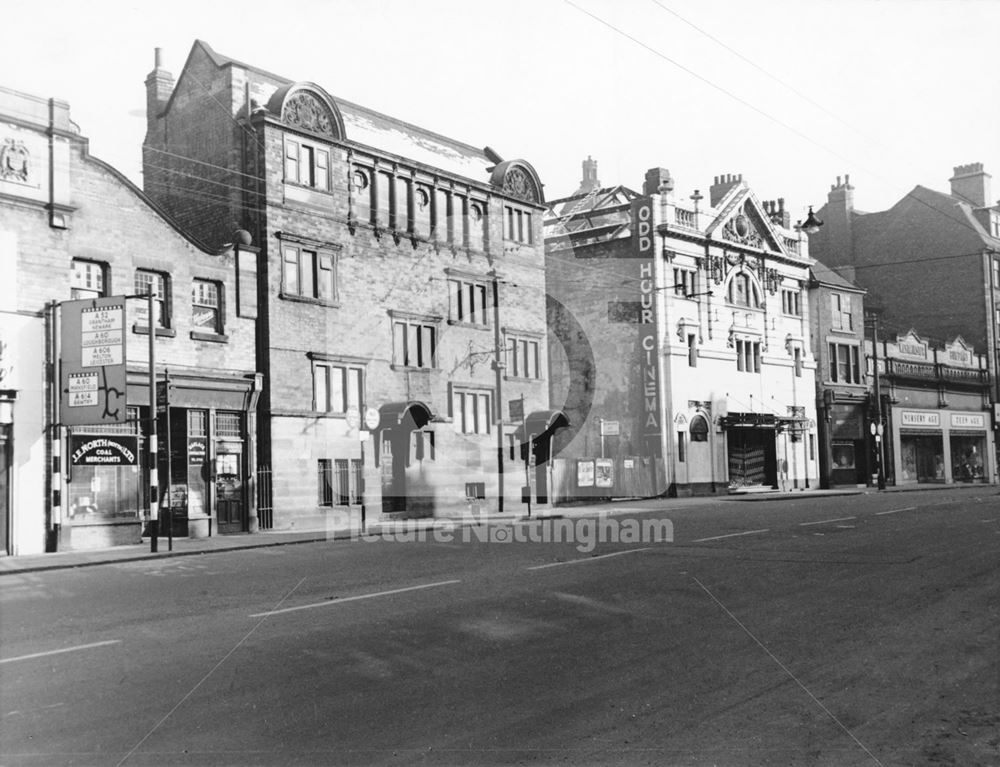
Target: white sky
point(896, 92)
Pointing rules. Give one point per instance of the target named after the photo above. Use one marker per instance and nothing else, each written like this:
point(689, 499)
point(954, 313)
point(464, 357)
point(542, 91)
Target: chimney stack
point(590, 181)
point(159, 86)
point(971, 184)
point(658, 181)
point(722, 186)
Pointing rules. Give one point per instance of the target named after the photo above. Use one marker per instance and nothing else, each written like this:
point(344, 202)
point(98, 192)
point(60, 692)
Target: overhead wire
point(204, 195)
point(791, 88)
point(738, 98)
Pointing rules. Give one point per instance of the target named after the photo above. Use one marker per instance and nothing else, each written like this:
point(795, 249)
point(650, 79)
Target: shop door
point(930, 460)
point(229, 495)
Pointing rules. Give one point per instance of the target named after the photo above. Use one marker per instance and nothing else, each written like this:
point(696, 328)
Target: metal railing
point(265, 498)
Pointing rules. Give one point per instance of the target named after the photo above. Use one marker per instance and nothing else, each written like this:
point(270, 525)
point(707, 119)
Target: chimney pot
point(157, 57)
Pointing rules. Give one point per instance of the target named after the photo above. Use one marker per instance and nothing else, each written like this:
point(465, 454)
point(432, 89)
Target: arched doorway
point(535, 436)
point(398, 421)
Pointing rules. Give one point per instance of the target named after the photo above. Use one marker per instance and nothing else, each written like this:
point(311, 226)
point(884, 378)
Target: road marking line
point(731, 535)
point(894, 511)
point(587, 559)
point(328, 602)
point(57, 652)
point(825, 521)
point(785, 668)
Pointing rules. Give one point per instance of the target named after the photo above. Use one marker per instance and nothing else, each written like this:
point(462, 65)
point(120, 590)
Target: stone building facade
point(679, 340)
point(401, 291)
point(78, 240)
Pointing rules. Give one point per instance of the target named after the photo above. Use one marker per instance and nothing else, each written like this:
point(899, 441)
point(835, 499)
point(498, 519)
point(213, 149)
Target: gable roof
point(736, 200)
point(823, 275)
point(384, 132)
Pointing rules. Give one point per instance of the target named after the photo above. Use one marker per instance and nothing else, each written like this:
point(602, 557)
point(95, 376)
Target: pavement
point(220, 543)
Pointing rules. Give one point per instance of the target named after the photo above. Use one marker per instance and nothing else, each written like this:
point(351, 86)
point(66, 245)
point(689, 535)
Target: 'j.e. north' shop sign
point(110, 450)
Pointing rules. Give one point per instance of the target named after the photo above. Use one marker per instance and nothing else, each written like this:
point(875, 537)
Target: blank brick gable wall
point(201, 194)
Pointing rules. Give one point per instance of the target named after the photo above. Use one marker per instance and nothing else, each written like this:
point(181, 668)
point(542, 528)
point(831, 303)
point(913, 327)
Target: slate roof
point(389, 134)
point(824, 275)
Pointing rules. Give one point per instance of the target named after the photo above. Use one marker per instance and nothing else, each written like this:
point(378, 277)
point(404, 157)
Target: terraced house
point(82, 248)
point(401, 291)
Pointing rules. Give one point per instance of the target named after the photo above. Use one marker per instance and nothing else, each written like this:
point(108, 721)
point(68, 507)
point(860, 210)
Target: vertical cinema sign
point(644, 253)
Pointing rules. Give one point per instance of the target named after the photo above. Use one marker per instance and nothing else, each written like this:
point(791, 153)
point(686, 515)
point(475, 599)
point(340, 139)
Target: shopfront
point(942, 447)
point(967, 444)
point(106, 493)
point(848, 456)
point(209, 453)
point(205, 458)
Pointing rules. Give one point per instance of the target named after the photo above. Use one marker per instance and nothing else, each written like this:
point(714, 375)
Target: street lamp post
point(877, 427)
point(154, 504)
point(154, 501)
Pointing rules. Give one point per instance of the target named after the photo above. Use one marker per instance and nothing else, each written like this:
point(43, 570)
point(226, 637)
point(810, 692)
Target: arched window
point(743, 291)
point(699, 429)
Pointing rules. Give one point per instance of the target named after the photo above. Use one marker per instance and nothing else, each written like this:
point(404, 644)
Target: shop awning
point(395, 413)
point(540, 422)
point(749, 420)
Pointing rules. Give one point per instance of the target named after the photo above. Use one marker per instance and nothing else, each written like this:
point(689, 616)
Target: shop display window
point(967, 463)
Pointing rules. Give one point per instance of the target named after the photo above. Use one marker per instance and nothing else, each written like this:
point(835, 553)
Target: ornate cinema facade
point(679, 339)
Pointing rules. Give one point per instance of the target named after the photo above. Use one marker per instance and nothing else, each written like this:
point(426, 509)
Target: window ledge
point(218, 338)
point(143, 330)
point(413, 369)
point(522, 379)
point(309, 300)
point(469, 325)
point(307, 188)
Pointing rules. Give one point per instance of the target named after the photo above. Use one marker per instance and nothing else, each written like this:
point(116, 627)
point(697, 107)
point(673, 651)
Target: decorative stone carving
point(739, 229)
point(716, 267)
point(304, 110)
point(15, 161)
point(517, 183)
point(769, 277)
